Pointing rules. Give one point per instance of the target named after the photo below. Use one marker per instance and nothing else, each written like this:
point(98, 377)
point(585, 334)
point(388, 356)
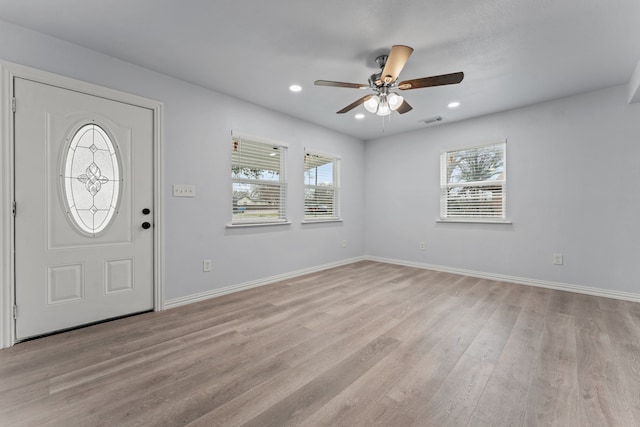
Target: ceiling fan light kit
point(395, 100)
point(384, 101)
point(383, 108)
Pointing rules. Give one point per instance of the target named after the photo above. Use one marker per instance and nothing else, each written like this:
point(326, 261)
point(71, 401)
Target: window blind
point(259, 186)
point(321, 189)
point(472, 182)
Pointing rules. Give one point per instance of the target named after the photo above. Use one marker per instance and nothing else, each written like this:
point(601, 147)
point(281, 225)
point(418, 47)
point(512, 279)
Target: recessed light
point(359, 116)
point(295, 88)
point(454, 104)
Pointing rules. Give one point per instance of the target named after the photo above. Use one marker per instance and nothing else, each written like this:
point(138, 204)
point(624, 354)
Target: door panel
point(69, 274)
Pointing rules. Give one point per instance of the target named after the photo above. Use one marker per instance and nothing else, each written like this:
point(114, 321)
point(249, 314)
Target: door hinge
point(14, 208)
point(15, 311)
point(13, 104)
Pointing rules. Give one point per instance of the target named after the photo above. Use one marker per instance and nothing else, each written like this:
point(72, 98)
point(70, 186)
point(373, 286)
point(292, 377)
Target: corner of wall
point(634, 85)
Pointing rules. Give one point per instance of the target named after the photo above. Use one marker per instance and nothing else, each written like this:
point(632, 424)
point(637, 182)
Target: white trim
point(158, 205)
point(177, 302)
point(488, 142)
point(567, 287)
point(321, 153)
point(474, 221)
point(317, 221)
point(9, 71)
point(256, 224)
point(254, 138)
point(6, 217)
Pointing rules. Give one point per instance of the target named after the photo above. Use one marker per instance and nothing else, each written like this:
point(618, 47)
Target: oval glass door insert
point(91, 175)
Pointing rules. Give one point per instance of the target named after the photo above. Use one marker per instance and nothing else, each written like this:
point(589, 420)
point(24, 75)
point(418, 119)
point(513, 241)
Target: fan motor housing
point(375, 78)
point(382, 60)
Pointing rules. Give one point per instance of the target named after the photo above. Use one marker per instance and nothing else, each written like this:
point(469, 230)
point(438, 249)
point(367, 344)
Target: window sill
point(258, 224)
point(474, 221)
point(315, 221)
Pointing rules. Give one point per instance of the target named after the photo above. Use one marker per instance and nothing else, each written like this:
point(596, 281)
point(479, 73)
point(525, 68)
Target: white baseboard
point(176, 302)
point(626, 296)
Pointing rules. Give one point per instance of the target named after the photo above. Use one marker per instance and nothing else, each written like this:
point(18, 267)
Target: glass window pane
point(321, 189)
point(259, 190)
point(472, 182)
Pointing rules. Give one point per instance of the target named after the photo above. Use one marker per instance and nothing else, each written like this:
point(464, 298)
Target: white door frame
point(8, 71)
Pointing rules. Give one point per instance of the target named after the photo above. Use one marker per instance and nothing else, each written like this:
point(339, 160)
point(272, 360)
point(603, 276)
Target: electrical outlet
point(184, 190)
point(558, 259)
point(421, 246)
point(344, 243)
point(206, 265)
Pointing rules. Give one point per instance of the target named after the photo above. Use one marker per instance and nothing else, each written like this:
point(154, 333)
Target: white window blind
point(472, 182)
point(258, 180)
point(321, 187)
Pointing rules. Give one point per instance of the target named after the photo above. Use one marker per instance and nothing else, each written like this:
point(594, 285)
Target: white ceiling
point(513, 52)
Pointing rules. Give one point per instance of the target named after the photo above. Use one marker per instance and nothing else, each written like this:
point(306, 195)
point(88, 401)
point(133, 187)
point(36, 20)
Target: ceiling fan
point(383, 101)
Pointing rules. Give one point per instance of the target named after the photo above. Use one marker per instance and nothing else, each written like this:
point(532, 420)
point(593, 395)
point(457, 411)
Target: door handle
point(146, 225)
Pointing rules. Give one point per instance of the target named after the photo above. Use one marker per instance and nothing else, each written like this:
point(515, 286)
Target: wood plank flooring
point(358, 345)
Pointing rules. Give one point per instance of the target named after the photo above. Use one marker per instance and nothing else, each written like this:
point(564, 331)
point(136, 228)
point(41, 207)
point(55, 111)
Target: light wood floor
point(359, 345)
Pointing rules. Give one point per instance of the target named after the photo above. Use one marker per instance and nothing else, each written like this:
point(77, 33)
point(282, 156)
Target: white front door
point(84, 194)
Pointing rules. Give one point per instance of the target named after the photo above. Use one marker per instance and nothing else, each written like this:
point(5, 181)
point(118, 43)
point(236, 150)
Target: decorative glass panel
point(91, 179)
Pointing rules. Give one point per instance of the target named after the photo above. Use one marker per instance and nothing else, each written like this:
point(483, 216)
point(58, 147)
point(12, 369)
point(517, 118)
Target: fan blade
point(354, 104)
point(444, 79)
point(341, 84)
point(398, 57)
point(404, 108)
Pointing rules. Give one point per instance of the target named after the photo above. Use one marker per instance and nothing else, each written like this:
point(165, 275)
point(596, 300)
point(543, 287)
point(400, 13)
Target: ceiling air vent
point(431, 120)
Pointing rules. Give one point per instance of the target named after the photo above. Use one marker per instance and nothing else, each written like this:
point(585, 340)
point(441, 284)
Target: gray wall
point(197, 149)
point(572, 188)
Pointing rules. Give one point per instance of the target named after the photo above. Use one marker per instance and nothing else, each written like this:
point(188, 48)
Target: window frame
point(445, 185)
point(281, 183)
point(334, 187)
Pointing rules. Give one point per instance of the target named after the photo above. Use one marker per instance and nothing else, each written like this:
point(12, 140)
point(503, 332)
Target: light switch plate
point(184, 190)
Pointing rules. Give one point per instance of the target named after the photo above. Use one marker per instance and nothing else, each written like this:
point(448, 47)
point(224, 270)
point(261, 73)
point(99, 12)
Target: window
point(91, 180)
point(472, 182)
point(321, 187)
point(259, 186)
